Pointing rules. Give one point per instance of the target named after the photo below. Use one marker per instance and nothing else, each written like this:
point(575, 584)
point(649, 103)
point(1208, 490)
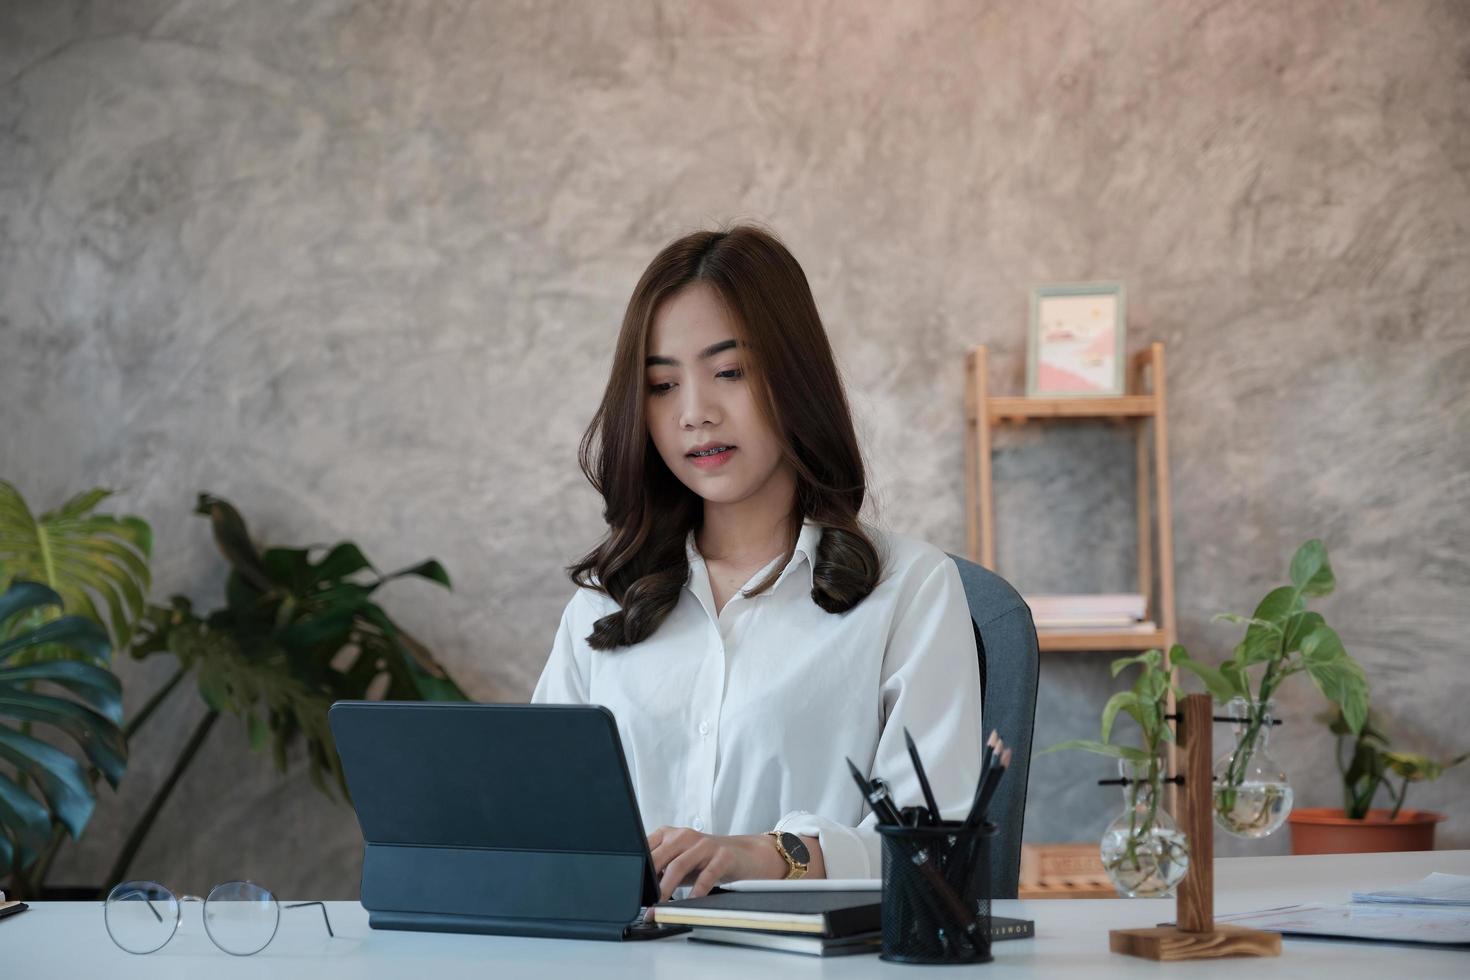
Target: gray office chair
point(1005, 639)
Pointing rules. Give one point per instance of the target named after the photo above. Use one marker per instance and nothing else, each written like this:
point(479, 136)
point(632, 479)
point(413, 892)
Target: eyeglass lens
point(241, 917)
point(141, 916)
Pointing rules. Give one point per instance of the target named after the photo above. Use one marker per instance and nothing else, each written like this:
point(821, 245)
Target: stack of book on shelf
point(793, 919)
point(1121, 612)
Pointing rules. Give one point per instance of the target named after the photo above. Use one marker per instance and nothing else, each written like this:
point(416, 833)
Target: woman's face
point(698, 399)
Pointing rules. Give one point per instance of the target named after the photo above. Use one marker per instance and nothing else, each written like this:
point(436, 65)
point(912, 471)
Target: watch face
point(795, 848)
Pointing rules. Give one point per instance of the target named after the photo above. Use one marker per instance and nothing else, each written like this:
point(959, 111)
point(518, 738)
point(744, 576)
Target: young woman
point(744, 628)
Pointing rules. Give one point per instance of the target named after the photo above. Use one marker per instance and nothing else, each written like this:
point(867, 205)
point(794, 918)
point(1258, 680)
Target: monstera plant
point(300, 629)
point(44, 791)
point(76, 583)
point(92, 561)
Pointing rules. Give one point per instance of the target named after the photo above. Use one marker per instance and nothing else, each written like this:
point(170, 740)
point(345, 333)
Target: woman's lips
point(713, 462)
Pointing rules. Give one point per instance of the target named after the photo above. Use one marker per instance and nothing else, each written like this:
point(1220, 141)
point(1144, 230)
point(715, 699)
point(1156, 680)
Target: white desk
point(67, 939)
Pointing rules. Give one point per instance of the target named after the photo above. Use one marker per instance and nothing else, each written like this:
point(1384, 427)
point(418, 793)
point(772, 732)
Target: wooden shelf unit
point(1021, 408)
point(1096, 640)
point(1143, 402)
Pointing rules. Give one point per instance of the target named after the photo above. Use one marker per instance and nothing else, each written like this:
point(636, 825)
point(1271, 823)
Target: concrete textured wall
point(359, 266)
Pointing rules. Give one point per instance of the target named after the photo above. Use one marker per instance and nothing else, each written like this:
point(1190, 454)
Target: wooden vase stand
point(1195, 935)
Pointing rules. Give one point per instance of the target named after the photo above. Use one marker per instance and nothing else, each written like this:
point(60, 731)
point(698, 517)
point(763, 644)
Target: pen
point(876, 793)
point(960, 915)
point(923, 778)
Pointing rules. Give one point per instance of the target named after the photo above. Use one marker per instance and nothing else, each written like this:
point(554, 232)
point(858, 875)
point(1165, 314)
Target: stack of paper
point(1435, 910)
point(1437, 889)
point(1090, 612)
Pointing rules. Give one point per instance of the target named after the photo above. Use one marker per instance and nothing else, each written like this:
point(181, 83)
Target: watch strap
point(794, 868)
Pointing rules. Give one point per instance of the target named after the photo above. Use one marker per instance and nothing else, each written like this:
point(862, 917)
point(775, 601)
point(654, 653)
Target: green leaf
point(1413, 767)
point(1234, 674)
point(61, 781)
point(1099, 748)
point(1151, 687)
point(1323, 645)
point(88, 559)
point(23, 816)
point(1278, 606)
point(1419, 768)
point(1262, 641)
point(342, 561)
point(214, 690)
point(288, 568)
point(99, 738)
point(1298, 627)
point(1149, 659)
point(431, 570)
point(96, 687)
point(23, 596)
point(1220, 687)
point(1310, 572)
point(258, 731)
point(333, 627)
point(1122, 701)
point(233, 540)
point(1243, 620)
point(1337, 675)
point(70, 632)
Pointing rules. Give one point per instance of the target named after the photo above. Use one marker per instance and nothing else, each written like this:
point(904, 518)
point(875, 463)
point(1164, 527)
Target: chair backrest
point(1005, 638)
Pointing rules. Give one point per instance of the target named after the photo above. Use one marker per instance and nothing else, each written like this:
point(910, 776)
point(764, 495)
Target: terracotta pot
point(1323, 830)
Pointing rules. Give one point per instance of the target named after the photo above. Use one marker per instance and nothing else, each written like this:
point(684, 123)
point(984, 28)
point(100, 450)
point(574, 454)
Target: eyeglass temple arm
point(149, 901)
point(323, 907)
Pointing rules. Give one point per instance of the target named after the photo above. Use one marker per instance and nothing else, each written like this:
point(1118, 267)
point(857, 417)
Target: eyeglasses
point(240, 917)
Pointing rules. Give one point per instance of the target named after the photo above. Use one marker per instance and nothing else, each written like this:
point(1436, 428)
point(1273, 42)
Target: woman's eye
point(660, 389)
point(731, 373)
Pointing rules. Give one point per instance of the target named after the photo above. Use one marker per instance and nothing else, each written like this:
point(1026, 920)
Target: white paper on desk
point(1436, 889)
point(1381, 923)
point(805, 885)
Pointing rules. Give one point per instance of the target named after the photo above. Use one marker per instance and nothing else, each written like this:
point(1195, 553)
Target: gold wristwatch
point(790, 847)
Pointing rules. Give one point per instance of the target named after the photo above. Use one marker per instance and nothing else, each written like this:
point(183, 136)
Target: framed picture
point(1076, 340)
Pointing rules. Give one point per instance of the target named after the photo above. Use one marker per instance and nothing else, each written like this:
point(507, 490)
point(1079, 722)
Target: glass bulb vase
point(1252, 795)
point(1143, 851)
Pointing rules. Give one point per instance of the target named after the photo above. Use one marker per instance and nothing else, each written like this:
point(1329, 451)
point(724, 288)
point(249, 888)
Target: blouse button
point(703, 730)
point(698, 824)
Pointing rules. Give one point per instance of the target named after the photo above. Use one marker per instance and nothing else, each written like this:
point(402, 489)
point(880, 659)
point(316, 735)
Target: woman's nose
point(697, 407)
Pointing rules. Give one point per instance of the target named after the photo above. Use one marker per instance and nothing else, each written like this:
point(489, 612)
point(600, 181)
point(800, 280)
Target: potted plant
point(45, 793)
point(1252, 794)
point(1143, 851)
point(300, 629)
point(1369, 765)
point(76, 583)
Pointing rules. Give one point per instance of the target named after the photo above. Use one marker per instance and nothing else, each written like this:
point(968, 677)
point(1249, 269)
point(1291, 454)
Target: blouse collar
point(806, 547)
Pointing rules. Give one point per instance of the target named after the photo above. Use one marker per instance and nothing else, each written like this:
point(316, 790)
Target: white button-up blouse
point(738, 722)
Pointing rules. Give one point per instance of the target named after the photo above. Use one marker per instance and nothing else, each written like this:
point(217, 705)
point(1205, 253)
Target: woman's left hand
point(681, 855)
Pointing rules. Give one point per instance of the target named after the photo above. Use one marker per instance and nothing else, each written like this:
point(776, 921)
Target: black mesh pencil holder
point(936, 893)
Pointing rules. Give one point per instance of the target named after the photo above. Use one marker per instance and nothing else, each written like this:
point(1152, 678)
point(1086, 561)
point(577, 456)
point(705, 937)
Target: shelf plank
point(1100, 640)
point(1019, 407)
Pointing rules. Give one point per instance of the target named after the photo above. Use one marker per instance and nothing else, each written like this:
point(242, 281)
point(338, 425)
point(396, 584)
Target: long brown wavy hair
point(641, 563)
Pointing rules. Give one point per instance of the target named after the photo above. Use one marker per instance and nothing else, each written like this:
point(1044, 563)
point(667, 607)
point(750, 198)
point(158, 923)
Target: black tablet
point(496, 818)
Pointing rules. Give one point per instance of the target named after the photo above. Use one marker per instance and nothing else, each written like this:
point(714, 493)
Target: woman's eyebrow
point(655, 360)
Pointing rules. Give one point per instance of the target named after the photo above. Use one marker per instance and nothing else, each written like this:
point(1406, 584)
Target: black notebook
point(832, 915)
point(858, 943)
point(791, 942)
point(822, 913)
